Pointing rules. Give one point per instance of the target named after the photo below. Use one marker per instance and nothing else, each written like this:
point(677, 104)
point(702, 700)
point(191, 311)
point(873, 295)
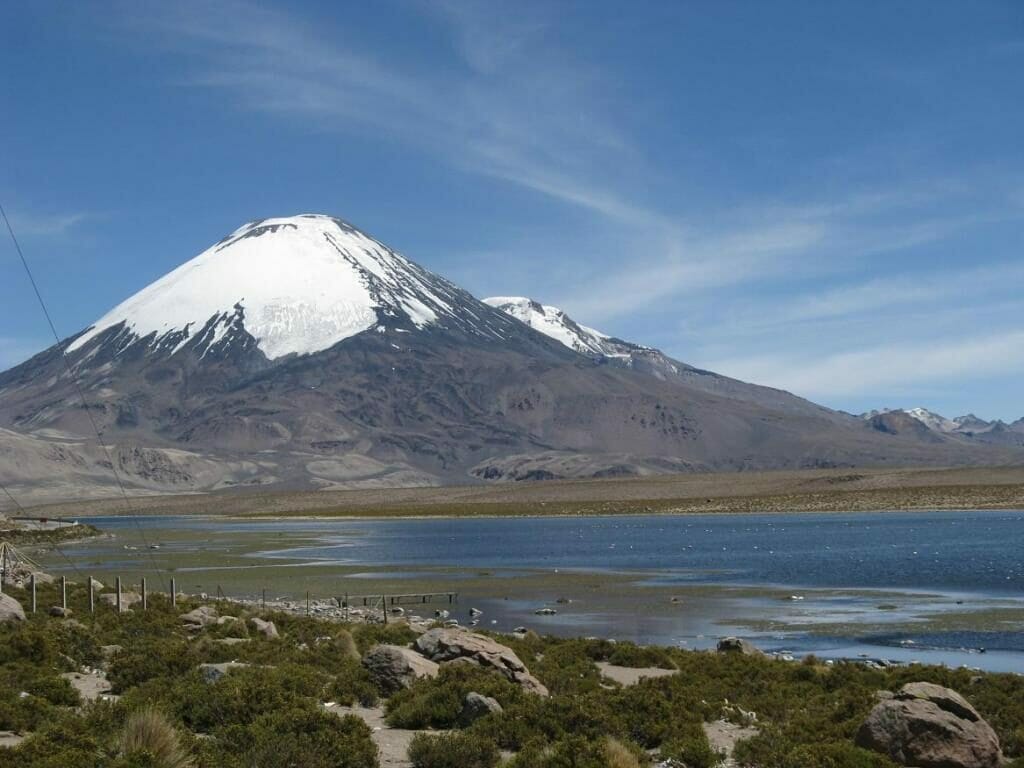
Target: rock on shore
point(10, 610)
point(393, 667)
point(928, 726)
point(445, 645)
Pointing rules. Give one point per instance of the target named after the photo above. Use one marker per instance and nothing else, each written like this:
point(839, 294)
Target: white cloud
point(34, 224)
point(516, 111)
point(902, 292)
point(876, 370)
point(513, 106)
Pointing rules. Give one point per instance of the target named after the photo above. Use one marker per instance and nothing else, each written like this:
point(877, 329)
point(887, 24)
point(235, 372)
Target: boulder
point(393, 667)
point(267, 628)
point(10, 610)
point(475, 706)
point(442, 645)
point(128, 599)
point(928, 726)
point(213, 672)
point(738, 645)
point(203, 616)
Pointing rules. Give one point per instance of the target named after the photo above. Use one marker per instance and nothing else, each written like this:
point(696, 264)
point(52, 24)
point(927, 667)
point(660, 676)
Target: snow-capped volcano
point(300, 352)
point(296, 285)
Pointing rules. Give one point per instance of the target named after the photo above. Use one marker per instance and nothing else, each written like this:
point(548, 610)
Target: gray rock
point(203, 616)
point(394, 667)
point(929, 726)
point(738, 645)
point(213, 672)
point(10, 610)
point(267, 628)
point(476, 706)
point(444, 645)
point(128, 599)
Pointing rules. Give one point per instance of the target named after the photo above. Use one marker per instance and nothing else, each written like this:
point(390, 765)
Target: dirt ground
point(853, 490)
point(630, 675)
point(393, 743)
point(90, 687)
point(723, 737)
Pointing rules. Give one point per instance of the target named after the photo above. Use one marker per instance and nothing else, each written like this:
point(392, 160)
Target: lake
point(944, 587)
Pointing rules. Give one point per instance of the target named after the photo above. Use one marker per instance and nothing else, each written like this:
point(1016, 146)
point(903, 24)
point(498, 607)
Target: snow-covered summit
point(297, 285)
point(553, 322)
point(933, 420)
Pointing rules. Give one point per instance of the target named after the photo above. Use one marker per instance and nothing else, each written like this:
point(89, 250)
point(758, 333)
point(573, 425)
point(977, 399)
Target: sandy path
point(393, 743)
point(723, 735)
point(631, 675)
point(89, 687)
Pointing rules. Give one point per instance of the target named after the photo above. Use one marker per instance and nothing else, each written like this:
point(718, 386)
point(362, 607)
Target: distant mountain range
point(970, 426)
point(300, 352)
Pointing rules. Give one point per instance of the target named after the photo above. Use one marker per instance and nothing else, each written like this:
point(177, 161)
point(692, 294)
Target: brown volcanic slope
point(472, 395)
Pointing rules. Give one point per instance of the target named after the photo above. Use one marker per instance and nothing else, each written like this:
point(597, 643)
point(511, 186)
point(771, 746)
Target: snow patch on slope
point(932, 420)
point(554, 323)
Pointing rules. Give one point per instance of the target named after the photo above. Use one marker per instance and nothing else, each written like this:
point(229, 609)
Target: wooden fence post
point(32, 578)
point(144, 602)
point(117, 583)
point(174, 594)
point(64, 592)
point(92, 596)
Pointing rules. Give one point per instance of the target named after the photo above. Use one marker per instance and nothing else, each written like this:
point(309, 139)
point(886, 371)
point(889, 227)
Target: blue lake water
point(957, 557)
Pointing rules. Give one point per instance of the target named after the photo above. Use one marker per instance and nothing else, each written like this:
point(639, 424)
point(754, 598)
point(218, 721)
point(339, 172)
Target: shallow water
point(853, 572)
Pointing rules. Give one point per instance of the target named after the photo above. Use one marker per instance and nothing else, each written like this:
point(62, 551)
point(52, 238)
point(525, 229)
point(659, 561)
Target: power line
point(81, 394)
point(56, 545)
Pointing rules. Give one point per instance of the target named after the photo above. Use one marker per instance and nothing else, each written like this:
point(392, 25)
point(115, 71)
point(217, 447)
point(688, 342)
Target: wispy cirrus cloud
point(510, 103)
point(509, 111)
point(37, 224)
point(885, 367)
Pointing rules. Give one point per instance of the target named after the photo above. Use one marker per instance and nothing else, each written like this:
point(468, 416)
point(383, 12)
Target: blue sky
point(826, 197)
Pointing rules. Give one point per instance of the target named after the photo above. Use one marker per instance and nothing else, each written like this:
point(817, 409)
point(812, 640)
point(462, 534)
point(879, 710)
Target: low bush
point(270, 714)
point(297, 736)
point(437, 702)
point(453, 750)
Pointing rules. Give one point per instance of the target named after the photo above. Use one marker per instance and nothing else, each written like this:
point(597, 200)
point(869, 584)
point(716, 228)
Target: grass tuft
point(149, 734)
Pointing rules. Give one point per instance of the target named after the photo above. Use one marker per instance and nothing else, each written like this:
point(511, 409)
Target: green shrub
point(452, 750)
point(151, 658)
point(437, 702)
point(692, 749)
point(368, 635)
point(299, 736)
point(351, 684)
